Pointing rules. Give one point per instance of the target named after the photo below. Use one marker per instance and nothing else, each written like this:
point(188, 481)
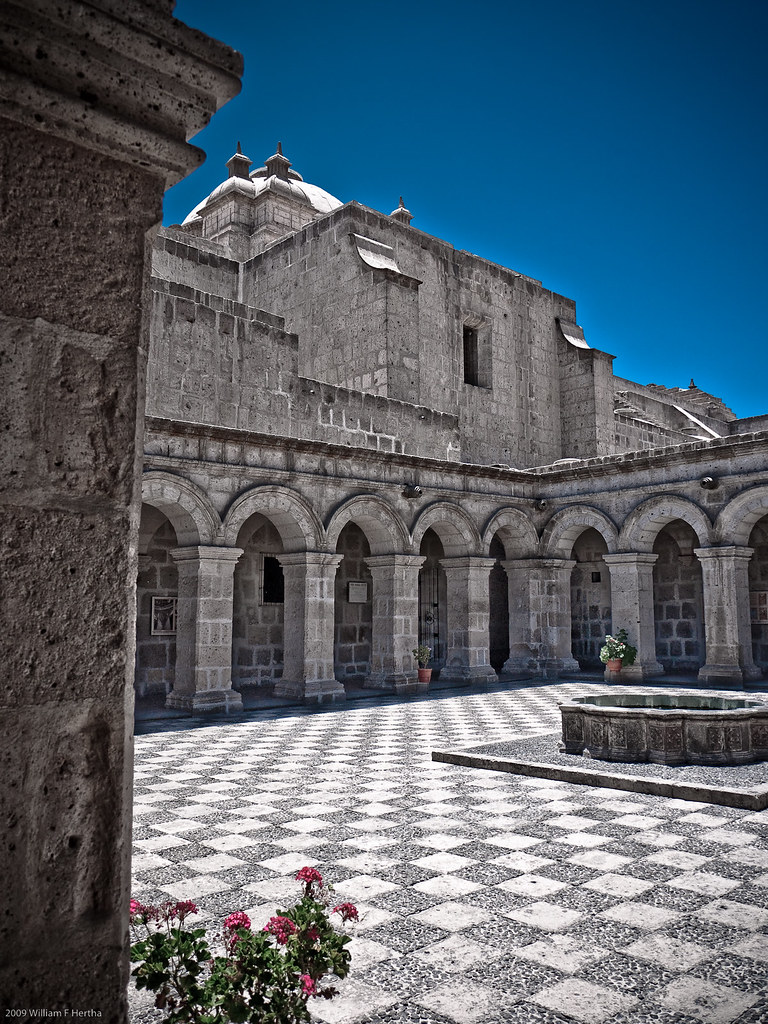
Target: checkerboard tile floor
point(484, 898)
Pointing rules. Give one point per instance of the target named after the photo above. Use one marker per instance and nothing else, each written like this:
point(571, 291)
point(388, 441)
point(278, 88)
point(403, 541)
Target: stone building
point(359, 438)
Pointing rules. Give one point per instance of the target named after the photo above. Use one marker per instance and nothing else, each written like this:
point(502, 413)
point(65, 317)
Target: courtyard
point(484, 897)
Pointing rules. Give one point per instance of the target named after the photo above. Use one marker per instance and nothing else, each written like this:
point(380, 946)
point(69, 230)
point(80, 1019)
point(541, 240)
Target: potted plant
point(422, 654)
point(617, 651)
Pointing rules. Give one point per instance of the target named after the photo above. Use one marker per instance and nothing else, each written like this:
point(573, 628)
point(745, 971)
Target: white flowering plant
point(619, 648)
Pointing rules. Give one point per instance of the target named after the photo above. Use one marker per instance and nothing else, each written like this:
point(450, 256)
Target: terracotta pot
point(425, 674)
point(614, 664)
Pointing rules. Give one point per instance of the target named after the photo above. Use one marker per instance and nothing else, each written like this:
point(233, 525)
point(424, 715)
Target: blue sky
point(615, 150)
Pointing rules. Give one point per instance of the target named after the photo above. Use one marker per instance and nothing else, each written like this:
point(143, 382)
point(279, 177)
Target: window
point(272, 583)
point(476, 337)
point(471, 356)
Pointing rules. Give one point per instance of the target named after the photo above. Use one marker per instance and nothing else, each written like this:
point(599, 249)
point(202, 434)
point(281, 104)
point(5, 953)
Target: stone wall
point(758, 584)
point(352, 636)
point(678, 606)
point(590, 599)
point(158, 577)
point(257, 626)
point(214, 360)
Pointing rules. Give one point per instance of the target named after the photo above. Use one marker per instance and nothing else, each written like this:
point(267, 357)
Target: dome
point(275, 177)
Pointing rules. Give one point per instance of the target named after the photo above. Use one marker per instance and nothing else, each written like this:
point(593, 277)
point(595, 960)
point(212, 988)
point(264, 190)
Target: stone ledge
point(538, 757)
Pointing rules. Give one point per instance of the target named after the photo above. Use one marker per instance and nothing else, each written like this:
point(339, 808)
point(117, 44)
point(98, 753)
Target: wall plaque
point(357, 592)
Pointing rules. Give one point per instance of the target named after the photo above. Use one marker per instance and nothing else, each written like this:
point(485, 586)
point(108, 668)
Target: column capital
point(206, 553)
point(537, 563)
point(467, 562)
point(727, 551)
point(320, 559)
point(631, 558)
point(394, 561)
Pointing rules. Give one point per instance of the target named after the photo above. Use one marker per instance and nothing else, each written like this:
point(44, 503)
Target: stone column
point(539, 617)
point(727, 628)
point(467, 655)
point(308, 624)
point(395, 622)
point(90, 137)
point(632, 609)
point(204, 630)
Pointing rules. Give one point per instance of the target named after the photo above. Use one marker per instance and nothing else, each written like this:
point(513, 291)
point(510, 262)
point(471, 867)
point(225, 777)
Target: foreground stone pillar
point(395, 622)
point(540, 617)
point(467, 616)
point(308, 624)
point(632, 609)
point(203, 679)
point(89, 140)
point(727, 629)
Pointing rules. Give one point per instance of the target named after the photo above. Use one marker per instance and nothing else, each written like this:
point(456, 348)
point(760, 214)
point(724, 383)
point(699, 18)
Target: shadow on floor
point(151, 715)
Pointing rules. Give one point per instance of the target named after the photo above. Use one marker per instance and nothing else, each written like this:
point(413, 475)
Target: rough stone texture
point(88, 141)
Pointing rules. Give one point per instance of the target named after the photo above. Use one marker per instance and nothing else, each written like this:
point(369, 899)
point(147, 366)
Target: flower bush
point(262, 977)
point(618, 647)
point(422, 654)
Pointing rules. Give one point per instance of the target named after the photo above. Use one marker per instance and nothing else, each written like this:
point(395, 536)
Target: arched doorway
point(352, 608)
point(432, 599)
point(590, 598)
point(677, 599)
point(258, 602)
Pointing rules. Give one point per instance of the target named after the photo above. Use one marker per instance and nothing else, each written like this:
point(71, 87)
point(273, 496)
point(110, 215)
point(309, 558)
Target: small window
point(596, 577)
point(471, 356)
point(272, 583)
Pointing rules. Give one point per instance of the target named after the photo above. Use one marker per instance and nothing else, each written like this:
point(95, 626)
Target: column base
point(634, 673)
point(396, 682)
point(205, 700)
point(728, 673)
point(468, 675)
point(520, 666)
point(314, 691)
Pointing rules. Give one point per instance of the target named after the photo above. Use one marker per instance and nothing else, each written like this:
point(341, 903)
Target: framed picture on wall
point(357, 592)
point(164, 615)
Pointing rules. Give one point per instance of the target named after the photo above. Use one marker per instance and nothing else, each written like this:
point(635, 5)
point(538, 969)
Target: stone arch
point(737, 520)
point(457, 533)
point(516, 532)
point(565, 527)
point(382, 526)
point(186, 506)
point(643, 524)
point(293, 517)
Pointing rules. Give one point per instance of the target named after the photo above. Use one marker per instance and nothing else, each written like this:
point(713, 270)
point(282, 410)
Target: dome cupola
point(250, 210)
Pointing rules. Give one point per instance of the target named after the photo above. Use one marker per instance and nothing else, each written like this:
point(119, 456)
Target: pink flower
point(348, 912)
point(281, 927)
point(308, 986)
point(309, 875)
point(184, 908)
point(145, 912)
point(313, 934)
point(237, 920)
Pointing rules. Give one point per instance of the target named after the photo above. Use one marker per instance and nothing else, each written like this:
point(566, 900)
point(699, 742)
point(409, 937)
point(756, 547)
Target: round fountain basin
point(667, 728)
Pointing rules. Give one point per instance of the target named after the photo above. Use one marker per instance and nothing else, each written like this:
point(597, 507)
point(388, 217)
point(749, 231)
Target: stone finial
point(238, 164)
point(401, 214)
point(691, 385)
point(278, 164)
